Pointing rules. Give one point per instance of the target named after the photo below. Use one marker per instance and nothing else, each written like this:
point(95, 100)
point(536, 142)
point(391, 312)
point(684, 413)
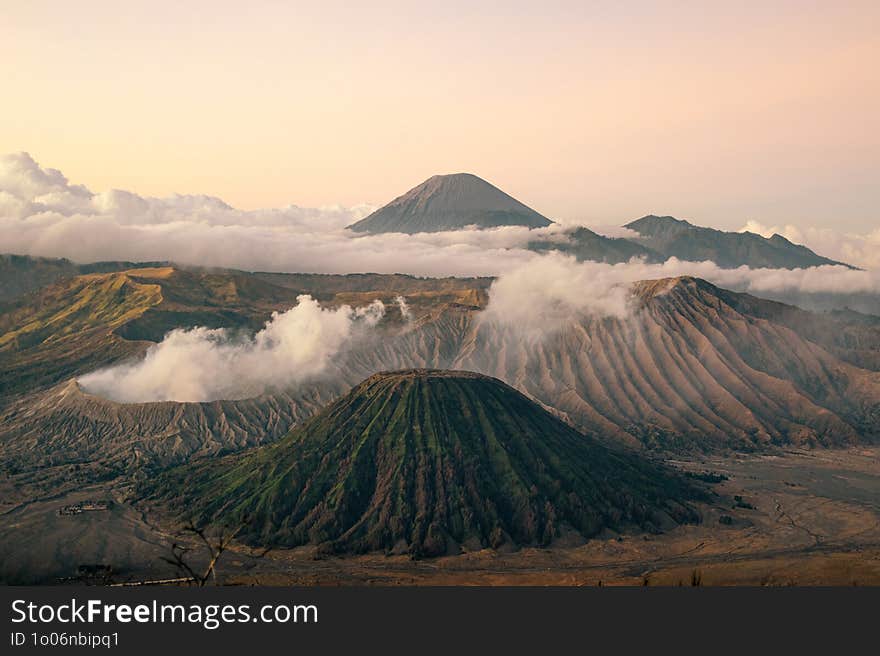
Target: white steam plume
point(403, 306)
point(205, 364)
point(549, 291)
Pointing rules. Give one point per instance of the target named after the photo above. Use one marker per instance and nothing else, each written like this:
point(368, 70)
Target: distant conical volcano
point(428, 462)
point(450, 202)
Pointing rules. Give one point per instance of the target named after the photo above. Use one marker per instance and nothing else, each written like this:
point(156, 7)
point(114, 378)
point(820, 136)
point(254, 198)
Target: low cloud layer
point(42, 213)
point(205, 364)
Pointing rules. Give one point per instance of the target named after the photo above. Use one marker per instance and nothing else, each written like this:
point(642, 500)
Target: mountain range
point(671, 237)
point(693, 368)
point(659, 238)
point(586, 245)
point(454, 202)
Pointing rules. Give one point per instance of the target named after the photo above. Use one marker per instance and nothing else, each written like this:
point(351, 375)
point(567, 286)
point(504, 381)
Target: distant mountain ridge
point(673, 237)
point(662, 237)
point(460, 200)
point(450, 202)
point(585, 244)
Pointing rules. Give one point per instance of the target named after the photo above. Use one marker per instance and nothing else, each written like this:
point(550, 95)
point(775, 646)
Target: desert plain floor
point(800, 518)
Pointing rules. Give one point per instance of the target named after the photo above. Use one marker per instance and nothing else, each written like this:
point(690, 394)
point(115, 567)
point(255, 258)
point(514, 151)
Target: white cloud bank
point(205, 364)
point(42, 213)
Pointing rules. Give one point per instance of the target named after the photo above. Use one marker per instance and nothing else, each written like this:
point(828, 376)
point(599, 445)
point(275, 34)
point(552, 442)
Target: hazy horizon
point(42, 212)
point(765, 112)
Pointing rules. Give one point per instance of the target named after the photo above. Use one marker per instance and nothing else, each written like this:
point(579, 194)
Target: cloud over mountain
point(861, 250)
point(546, 290)
point(42, 213)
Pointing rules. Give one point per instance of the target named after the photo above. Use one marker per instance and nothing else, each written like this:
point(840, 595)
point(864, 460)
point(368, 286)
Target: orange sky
point(600, 111)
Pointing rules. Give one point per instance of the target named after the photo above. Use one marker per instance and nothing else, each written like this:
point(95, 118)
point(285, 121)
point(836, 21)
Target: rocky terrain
point(64, 427)
point(693, 369)
point(693, 373)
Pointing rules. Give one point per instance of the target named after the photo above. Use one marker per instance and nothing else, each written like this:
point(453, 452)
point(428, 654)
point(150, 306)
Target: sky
point(721, 113)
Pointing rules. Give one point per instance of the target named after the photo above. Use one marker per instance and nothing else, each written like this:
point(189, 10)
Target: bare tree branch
point(215, 548)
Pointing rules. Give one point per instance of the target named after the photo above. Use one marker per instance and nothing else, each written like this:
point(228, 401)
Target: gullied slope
point(677, 238)
point(450, 202)
point(426, 461)
point(688, 370)
point(64, 427)
point(851, 336)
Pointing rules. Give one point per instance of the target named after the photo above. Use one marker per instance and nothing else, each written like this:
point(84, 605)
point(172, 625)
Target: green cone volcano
point(427, 462)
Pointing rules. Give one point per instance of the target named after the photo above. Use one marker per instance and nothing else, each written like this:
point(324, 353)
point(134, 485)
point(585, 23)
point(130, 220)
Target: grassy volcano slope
point(425, 461)
point(82, 323)
point(22, 274)
point(68, 327)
